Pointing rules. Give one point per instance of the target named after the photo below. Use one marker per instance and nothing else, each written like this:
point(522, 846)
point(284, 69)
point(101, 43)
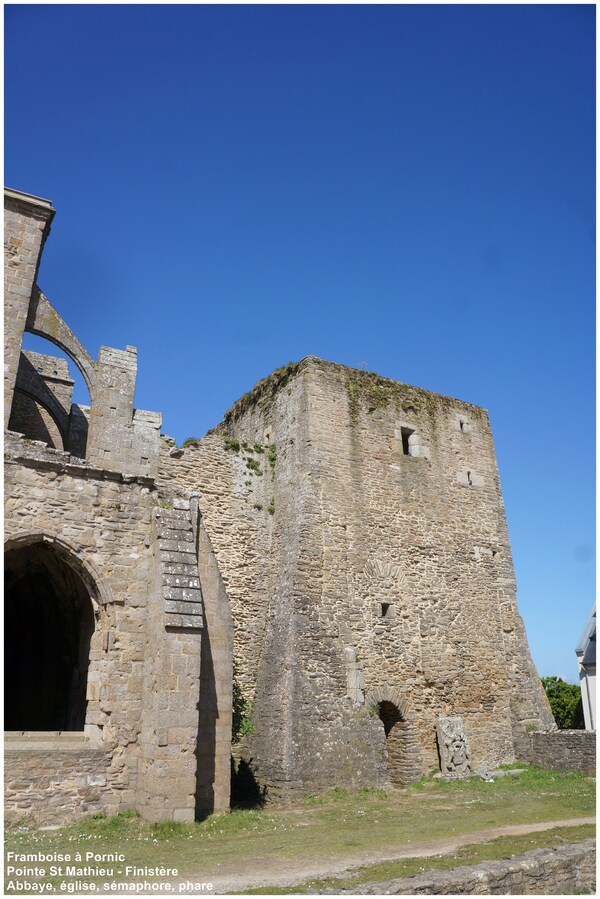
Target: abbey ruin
point(331, 562)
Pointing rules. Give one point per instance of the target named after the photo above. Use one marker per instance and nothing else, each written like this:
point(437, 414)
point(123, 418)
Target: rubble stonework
point(333, 558)
point(380, 571)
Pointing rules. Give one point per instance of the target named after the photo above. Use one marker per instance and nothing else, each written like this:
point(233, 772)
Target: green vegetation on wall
point(262, 391)
point(243, 709)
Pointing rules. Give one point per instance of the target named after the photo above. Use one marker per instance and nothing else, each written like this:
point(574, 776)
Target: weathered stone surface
point(549, 872)
point(351, 542)
point(56, 785)
point(455, 758)
point(563, 750)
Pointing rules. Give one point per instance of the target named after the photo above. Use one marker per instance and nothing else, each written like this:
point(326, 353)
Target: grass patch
point(493, 850)
point(324, 827)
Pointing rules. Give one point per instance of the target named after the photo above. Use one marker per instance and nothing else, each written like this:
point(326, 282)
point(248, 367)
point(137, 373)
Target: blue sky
point(408, 188)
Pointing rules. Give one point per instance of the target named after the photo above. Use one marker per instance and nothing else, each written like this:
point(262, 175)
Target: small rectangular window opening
point(462, 425)
point(406, 434)
point(385, 609)
point(469, 479)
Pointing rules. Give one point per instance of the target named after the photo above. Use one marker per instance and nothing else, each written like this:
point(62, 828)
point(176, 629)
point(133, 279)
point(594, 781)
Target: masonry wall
point(563, 871)
point(55, 780)
point(142, 753)
point(311, 544)
point(107, 523)
point(427, 534)
point(89, 535)
point(563, 750)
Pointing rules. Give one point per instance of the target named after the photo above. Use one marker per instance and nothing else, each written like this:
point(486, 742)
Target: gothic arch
point(50, 617)
point(28, 401)
point(99, 592)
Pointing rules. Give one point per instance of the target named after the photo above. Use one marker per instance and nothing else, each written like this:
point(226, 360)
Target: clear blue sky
point(405, 187)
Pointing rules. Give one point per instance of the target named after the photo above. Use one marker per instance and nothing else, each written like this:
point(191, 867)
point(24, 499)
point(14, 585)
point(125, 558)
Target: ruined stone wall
point(94, 538)
point(368, 563)
point(424, 532)
point(563, 750)
point(102, 522)
point(563, 871)
point(54, 780)
point(106, 523)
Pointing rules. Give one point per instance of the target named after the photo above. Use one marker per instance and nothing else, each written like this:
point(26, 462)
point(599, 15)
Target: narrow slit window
point(406, 435)
point(386, 610)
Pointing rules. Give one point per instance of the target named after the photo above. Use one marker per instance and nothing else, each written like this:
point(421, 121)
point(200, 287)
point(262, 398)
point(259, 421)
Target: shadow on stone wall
point(246, 792)
point(207, 726)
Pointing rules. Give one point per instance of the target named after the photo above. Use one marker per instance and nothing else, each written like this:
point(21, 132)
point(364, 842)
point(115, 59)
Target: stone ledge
point(55, 741)
point(46, 458)
point(44, 735)
point(29, 199)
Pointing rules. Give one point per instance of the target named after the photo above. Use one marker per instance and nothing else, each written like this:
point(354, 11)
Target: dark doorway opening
point(48, 625)
point(402, 746)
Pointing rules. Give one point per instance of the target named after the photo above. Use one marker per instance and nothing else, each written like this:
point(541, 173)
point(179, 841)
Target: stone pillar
point(109, 436)
point(27, 224)
point(120, 438)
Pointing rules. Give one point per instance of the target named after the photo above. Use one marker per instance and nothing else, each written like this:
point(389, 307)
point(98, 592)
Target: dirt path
point(280, 872)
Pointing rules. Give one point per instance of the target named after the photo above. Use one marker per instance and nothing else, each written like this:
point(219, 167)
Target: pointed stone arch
point(404, 754)
point(99, 591)
point(44, 321)
point(51, 604)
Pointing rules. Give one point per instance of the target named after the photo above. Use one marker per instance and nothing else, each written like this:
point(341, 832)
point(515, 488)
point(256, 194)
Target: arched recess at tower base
point(403, 751)
point(49, 622)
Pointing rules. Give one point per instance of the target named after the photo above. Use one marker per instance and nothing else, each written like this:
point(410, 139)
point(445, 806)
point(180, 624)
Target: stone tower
point(359, 528)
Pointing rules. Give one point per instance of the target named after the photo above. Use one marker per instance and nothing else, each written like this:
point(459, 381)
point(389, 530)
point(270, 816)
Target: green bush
point(565, 702)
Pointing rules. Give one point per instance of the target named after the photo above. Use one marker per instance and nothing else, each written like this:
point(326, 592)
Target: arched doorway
point(402, 744)
point(48, 625)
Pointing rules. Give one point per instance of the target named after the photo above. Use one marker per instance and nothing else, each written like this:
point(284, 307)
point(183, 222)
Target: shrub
point(565, 702)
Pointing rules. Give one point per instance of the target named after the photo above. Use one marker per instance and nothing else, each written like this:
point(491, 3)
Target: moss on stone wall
point(264, 389)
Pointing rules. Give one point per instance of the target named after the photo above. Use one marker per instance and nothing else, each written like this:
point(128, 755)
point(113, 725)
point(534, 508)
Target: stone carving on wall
point(455, 757)
point(384, 571)
point(355, 680)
